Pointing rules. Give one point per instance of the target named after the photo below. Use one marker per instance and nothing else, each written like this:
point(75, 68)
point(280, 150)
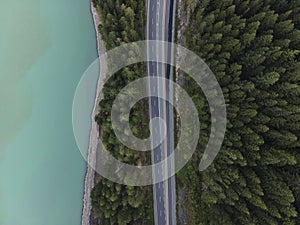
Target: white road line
point(158, 32)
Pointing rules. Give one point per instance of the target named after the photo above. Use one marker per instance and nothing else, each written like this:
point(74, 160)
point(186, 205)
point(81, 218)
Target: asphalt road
point(160, 26)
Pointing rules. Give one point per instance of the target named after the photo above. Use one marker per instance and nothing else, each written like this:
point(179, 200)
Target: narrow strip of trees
point(122, 21)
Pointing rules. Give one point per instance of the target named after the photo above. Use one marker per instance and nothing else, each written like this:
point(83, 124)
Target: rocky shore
point(94, 134)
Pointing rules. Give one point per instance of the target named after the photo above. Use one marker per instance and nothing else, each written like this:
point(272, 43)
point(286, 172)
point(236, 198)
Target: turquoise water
point(45, 46)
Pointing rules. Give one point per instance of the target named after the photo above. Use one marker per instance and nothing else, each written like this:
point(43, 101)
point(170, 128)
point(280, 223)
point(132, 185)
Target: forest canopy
point(252, 46)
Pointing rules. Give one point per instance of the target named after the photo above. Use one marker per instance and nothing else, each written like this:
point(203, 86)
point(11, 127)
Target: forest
point(253, 48)
point(122, 22)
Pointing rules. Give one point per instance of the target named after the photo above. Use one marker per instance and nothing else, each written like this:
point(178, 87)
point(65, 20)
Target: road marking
point(165, 174)
point(160, 13)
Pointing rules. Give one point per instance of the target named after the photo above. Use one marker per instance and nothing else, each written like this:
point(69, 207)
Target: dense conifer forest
point(253, 48)
point(122, 22)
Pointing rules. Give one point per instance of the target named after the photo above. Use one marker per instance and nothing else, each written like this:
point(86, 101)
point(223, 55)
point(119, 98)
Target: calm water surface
point(45, 46)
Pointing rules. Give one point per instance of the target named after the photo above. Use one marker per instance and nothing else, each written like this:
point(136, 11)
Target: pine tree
point(257, 66)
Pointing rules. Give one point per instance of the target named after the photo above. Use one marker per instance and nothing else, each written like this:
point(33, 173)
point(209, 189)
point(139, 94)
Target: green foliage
point(122, 21)
point(252, 46)
point(118, 204)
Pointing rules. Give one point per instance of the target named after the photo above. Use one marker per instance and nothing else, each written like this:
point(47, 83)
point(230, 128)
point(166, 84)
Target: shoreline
point(94, 133)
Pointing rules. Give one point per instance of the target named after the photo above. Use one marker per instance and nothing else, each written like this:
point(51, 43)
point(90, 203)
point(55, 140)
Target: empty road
point(160, 26)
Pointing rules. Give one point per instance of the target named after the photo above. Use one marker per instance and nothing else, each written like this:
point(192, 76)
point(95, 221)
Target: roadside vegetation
point(123, 21)
point(252, 46)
